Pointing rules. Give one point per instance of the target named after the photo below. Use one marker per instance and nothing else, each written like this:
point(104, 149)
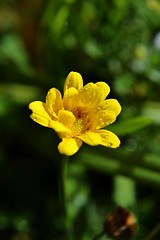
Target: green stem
point(62, 191)
point(153, 233)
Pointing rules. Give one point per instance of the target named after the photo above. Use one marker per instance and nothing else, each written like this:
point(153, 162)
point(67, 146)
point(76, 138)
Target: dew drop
point(101, 122)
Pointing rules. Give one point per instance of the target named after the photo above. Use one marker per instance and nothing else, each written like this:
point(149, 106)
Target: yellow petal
point(74, 79)
point(109, 105)
point(66, 118)
point(91, 138)
point(89, 95)
point(60, 129)
point(70, 99)
point(101, 119)
point(39, 119)
point(109, 139)
point(101, 137)
point(104, 90)
point(69, 146)
point(40, 113)
point(54, 101)
point(92, 93)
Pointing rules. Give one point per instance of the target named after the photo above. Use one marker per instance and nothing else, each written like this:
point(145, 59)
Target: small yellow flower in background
point(78, 116)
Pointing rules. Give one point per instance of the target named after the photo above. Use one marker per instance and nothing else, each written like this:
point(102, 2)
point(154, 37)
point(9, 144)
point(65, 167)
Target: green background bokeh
point(41, 41)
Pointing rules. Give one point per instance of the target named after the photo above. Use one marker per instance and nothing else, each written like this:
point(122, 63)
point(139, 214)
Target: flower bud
point(121, 224)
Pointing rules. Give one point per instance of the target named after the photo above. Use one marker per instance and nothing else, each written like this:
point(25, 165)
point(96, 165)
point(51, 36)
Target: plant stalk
point(62, 194)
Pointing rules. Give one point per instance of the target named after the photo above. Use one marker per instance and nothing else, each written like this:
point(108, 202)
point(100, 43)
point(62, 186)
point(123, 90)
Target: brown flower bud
point(121, 224)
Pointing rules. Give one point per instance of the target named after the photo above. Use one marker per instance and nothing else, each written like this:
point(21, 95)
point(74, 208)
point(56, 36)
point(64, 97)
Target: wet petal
point(89, 95)
point(66, 118)
point(103, 89)
point(102, 119)
point(101, 137)
point(69, 146)
point(70, 99)
point(109, 105)
point(109, 139)
point(91, 138)
point(60, 129)
point(40, 113)
point(54, 101)
point(74, 79)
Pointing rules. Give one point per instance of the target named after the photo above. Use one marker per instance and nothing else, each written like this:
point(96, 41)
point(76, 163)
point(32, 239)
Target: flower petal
point(89, 95)
point(109, 139)
point(40, 113)
point(101, 137)
point(74, 79)
point(69, 146)
point(109, 105)
point(92, 93)
point(101, 119)
point(70, 98)
point(91, 138)
point(60, 129)
point(66, 118)
point(104, 90)
point(54, 101)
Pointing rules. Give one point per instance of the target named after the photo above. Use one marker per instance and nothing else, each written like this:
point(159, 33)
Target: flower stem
point(153, 232)
point(62, 192)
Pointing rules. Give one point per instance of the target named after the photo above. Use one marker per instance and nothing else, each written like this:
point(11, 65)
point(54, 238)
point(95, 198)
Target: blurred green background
point(41, 41)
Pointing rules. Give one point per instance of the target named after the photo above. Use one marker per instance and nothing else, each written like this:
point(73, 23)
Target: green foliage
point(131, 125)
point(40, 43)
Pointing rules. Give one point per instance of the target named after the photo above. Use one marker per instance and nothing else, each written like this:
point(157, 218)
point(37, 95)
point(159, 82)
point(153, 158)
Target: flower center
point(81, 124)
point(78, 127)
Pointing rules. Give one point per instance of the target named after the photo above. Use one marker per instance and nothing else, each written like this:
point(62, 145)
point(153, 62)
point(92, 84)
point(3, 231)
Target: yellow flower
point(78, 116)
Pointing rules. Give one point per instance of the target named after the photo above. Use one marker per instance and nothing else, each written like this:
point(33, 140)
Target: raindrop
point(130, 145)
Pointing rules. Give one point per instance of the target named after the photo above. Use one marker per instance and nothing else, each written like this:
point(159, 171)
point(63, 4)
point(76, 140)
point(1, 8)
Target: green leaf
point(12, 48)
point(59, 21)
point(125, 185)
point(131, 125)
point(113, 166)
